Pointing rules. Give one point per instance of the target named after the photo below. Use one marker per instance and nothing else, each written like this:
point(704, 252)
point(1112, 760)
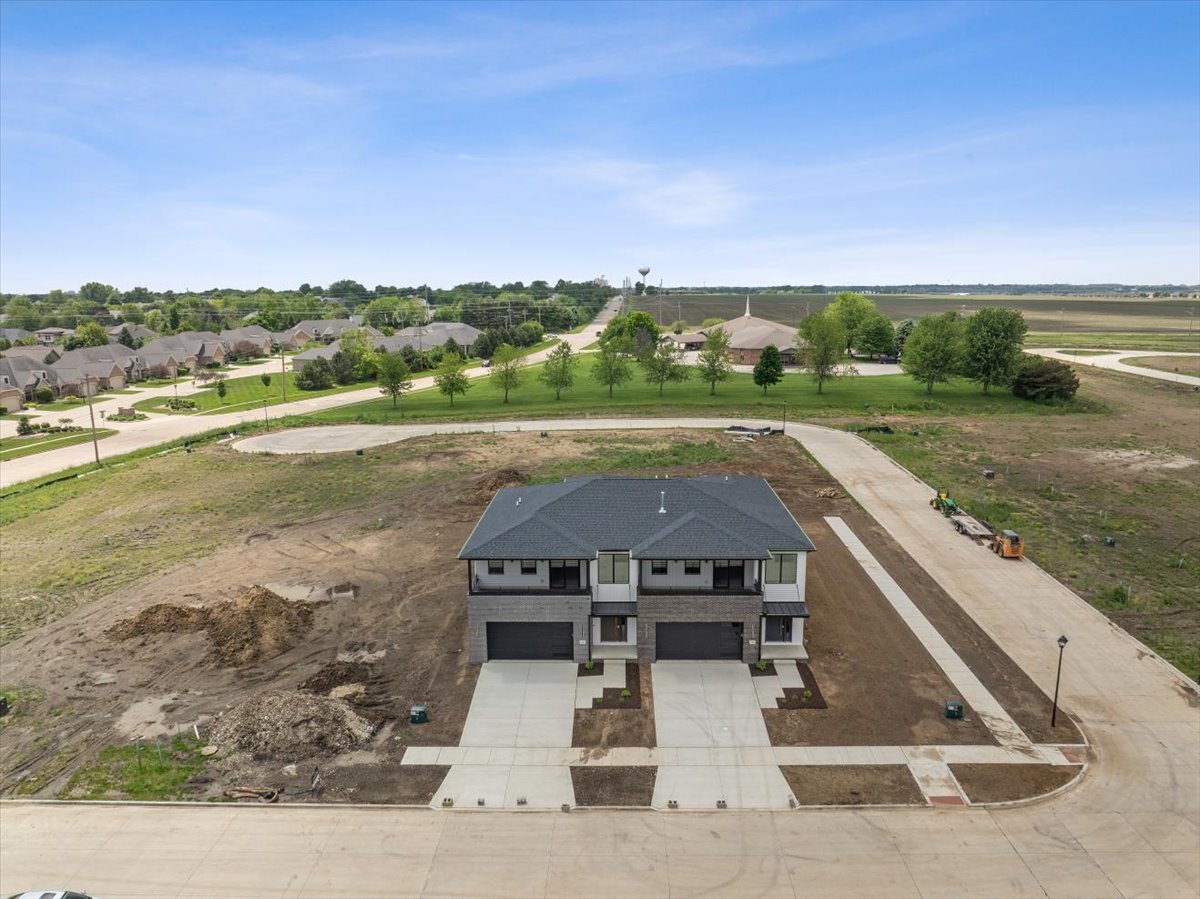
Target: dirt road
point(1132, 828)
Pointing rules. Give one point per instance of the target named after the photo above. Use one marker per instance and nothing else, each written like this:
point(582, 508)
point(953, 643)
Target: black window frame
point(654, 565)
point(529, 566)
point(558, 574)
point(692, 566)
point(491, 566)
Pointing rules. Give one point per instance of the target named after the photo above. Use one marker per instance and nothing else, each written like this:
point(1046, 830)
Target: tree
point(711, 323)
point(558, 373)
point(902, 331)
point(483, 347)
point(638, 328)
point(43, 394)
point(851, 310)
point(395, 377)
point(360, 350)
point(126, 339)
point(822, 340)
point(875, 336)
point(664, 364)
point(713, 359)
point(19, 313)
point(992, 342)
point(266, 381)
point(678, 326)
point(507, 368)
point(24, 428)
point(222, 390)
point(768, 371)
point(450, 377)
point(87, 334)
point(1044, 380)
point(343, 368)
point(94, 293)
point(155, 321)
point(316, 375)
point(451, 346)
point(612, 367)
point(933, 351)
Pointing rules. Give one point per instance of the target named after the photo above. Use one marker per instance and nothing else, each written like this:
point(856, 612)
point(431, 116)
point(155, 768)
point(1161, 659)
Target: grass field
point(885, 394)
point(16, 447)
point(1176, 342)
point(243, 393)
point(1184, 365)
point(1044, 314)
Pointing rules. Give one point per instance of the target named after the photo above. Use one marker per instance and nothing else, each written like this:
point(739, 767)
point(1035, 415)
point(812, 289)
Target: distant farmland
point(1079, 315)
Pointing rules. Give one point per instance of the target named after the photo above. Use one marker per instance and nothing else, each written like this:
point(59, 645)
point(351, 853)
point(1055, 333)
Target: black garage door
point(699, 640)
point(529, 640)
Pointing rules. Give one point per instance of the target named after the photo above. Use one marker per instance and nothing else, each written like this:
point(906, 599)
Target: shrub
point(180, 405)
point(317, 375)
point(626, 693)
point(44, 394)
point(761, 665)
point(1045, 380)
point(24, 428)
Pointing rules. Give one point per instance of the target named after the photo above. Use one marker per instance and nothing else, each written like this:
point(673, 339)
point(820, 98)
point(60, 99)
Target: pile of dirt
point(257, 625)
point(290, 724)
point(499, 479)
point(336, 674)
point(829, 493)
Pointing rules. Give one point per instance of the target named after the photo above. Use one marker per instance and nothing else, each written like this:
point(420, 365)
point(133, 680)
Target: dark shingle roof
point(708, 517)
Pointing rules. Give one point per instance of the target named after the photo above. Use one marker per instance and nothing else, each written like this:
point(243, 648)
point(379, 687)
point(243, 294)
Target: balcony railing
point(529, 591)
point(756, 590)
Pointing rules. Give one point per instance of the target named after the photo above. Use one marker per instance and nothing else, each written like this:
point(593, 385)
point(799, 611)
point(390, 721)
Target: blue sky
point(198, 145)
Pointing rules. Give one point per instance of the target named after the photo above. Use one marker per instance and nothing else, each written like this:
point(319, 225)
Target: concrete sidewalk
point(1115, 361)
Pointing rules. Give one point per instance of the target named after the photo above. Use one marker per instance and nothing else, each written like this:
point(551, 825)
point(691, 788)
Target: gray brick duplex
point(645, 568)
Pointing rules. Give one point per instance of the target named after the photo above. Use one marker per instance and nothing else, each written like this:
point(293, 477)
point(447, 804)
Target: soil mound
point(290, 724)
point(257, 625)
point(337, 674)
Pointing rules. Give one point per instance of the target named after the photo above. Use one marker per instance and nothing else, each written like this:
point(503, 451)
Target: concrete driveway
point(522, 704)
point(705, 704)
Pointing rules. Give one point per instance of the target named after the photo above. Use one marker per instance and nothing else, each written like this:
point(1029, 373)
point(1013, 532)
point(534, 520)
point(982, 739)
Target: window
point(658, 566)
point(691, 566)
point(613, 568)
point(613, 628)
point(564, 574)
point(495, 566)
point(728, 574)
point(780, 569)
point(528, 566)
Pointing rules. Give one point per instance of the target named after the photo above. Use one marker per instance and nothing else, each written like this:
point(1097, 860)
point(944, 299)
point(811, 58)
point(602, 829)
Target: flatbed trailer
point(972, 527)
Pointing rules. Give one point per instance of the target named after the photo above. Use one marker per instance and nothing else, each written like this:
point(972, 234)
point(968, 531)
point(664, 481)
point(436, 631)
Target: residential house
point(248, 342)
point(187, 349)
point(25, 376)
point(43, 354)
point(80, 377)
point(51, 336)
point(599, 567)
point(96, 360)
point(12, 398)
point(12, 335)
point(137, 332)
point(430, 335)
point(302, 359)
point(326, 330)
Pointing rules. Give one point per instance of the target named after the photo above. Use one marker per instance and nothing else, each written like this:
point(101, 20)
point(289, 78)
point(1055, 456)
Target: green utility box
point(954, 709)
point(419, 714)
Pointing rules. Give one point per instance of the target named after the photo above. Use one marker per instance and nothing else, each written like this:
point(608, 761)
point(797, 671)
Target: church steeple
point(747, 315)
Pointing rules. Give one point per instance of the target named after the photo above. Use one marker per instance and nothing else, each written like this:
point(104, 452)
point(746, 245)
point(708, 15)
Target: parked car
point(51, 894)
point(486, 363)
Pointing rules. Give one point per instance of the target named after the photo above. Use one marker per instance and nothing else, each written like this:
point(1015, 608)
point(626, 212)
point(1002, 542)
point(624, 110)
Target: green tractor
point(944, 503)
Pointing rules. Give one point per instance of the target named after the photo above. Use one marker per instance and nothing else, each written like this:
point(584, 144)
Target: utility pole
point(87, 391)
point(266, 419)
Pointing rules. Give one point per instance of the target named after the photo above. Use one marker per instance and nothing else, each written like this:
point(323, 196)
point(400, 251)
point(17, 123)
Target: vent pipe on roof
point(518, 500)
point(662, 503)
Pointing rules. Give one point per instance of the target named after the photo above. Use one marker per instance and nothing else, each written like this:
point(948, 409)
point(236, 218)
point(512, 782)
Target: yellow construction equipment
point(1008, 545)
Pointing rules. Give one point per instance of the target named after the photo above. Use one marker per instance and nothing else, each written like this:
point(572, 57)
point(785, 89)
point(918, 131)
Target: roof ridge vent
point(662, 502)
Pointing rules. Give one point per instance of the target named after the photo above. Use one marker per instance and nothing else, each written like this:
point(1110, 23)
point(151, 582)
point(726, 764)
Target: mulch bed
point(612, 698)
point(1007, 783)
point(853, 784)
point(595, 671)
point(793, 697)
point(768, 671)
point(627, 785)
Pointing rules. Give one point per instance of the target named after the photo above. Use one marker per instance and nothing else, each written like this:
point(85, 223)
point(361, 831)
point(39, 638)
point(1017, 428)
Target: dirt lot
point(853, 785)
point(620, 726)
point(625, 785)
point(1007, 783)
point(359, 552)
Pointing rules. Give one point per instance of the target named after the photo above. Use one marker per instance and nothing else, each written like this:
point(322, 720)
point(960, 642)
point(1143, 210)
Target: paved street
point(1114, 361)
point(1131, 828)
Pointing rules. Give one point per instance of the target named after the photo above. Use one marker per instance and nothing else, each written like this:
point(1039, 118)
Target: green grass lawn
point(16, 447)
point(1066, 343)
point(243, 393)
point(738, 395)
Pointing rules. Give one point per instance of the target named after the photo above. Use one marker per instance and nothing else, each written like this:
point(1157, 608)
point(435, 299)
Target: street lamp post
point(1062, 644)
point(266, 419)
point(282, 374)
